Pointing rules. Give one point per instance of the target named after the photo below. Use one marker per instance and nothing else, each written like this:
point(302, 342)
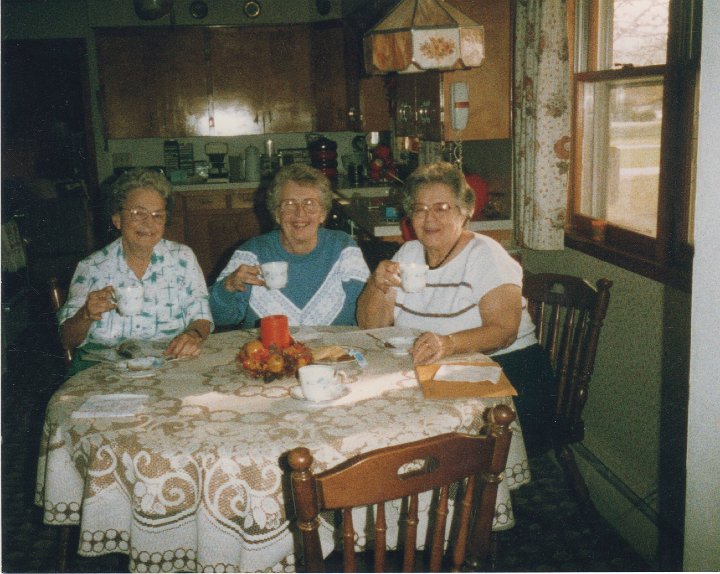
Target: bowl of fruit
point(270, 363)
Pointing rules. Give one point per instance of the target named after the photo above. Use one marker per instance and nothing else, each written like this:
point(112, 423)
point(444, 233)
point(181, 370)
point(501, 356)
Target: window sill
point(677, 277)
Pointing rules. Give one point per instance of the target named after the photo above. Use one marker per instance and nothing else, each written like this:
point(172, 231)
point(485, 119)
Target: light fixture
point(252, 9)
point(420, 35)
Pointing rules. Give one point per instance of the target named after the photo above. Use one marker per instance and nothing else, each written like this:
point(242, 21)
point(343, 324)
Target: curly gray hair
point(440, 172)
point(303, 175)
point(139, 178)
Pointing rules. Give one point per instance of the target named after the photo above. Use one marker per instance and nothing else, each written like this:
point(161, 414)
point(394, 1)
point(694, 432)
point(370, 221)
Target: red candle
point(274, 330)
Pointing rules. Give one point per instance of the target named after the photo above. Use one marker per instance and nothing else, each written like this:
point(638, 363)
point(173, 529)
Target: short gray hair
point(139, 178)
point(303, 175)
point(444, 173)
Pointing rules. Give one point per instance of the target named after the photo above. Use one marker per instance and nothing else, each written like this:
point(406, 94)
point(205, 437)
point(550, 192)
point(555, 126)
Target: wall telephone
point(459, 105)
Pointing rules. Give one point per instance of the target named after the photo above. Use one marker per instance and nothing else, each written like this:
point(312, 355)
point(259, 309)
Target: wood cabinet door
point(428, 89)
point(489, 86)
point(331, 92)
point(287, 81)
point(152, 83)
point(405, 124)
point(261, 79)
point(374, 105)
point(227, 232)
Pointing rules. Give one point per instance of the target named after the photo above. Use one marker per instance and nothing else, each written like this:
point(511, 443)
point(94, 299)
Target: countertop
point(374, 222)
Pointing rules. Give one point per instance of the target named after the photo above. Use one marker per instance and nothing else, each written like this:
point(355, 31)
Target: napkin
point(468, 373)
point(464, 379)
point(105, 406)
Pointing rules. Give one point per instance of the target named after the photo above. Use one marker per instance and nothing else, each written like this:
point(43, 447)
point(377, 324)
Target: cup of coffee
point(275, 274)
point(129, 299)
point(413, 276)
point(321, 382)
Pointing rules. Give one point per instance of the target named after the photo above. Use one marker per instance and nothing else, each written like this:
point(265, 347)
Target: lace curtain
point(541, 111)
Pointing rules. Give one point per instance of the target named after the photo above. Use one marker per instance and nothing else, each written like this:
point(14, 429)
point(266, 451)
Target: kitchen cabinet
point(423, 99)
point(344, 99)
point(261, 79)
point(489, 86)
point(374, 105)
point(336, 77)
point(151, 81)
point(215, 221)
point(418, 108)
point(199, 81)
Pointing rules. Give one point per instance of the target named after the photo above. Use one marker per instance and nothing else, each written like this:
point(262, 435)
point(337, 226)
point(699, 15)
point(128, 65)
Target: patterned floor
point(551, 535)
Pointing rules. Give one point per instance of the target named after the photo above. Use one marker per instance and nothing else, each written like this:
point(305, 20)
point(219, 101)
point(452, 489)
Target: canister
point(252, 163)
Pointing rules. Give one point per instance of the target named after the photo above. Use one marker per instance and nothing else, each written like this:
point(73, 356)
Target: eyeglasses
point(441, 210)
point(310, 206)
point(142, 214)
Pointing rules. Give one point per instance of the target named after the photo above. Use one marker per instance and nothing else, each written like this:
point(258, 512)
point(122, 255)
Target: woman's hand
point(386, 275)
point(431, 347)
point(97, 303)
point(242, 276)
point(186, 344)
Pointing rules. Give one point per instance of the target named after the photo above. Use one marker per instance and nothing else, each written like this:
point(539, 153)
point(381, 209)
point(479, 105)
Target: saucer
point(139, 368)
point(296, 393)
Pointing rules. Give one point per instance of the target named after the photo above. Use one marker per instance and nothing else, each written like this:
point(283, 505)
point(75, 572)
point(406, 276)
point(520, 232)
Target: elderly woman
point(473, 298)
point(175, 304)
point(326, 269)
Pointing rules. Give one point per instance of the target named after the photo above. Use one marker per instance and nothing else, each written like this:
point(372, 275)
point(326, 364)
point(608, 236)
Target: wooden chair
point(65, 533)
point(57, 300)
point(568, 314)
point(475, 463)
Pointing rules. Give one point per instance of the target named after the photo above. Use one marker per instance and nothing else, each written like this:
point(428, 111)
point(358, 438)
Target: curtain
point(541, 127)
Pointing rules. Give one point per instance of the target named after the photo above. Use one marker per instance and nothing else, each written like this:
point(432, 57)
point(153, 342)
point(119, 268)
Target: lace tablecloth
point(195, 481)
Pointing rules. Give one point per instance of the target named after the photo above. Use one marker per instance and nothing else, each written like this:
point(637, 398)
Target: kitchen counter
point(372, 220)
point(210, 185)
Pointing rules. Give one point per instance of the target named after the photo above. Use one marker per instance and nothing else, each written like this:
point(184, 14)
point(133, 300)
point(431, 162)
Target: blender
point(216, 152)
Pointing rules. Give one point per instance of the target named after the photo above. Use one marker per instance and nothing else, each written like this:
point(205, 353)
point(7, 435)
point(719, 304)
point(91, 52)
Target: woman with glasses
point(472, 301)
point(175, 305)
point(326, 269)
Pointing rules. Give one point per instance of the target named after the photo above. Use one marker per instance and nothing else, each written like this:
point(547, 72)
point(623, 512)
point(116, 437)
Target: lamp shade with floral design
point(419, 35)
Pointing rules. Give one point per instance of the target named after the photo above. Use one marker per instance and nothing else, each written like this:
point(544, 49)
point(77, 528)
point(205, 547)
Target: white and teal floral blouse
point(175, 293)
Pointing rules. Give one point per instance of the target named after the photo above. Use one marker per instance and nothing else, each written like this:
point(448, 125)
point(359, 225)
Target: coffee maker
point(216, 152)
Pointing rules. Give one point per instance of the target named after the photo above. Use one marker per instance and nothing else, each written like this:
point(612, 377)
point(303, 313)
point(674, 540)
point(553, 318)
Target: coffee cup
point(413, 276)
point(129, 299)
point(321, 382)
point(275, 274)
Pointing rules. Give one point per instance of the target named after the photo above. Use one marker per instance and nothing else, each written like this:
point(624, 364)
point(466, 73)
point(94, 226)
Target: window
point(636, 69)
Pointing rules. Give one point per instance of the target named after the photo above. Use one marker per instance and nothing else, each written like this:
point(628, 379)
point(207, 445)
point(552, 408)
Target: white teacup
point(275, 274)
point(321, 382)
point(413, 276)
point(129, 299)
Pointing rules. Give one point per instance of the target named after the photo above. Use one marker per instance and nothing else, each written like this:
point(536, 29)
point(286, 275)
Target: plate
point(343, 360)
point(139, 368)
point(296, 393)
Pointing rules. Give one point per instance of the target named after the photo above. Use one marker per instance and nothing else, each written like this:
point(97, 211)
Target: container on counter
point(323, 156)
point(252, 163)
